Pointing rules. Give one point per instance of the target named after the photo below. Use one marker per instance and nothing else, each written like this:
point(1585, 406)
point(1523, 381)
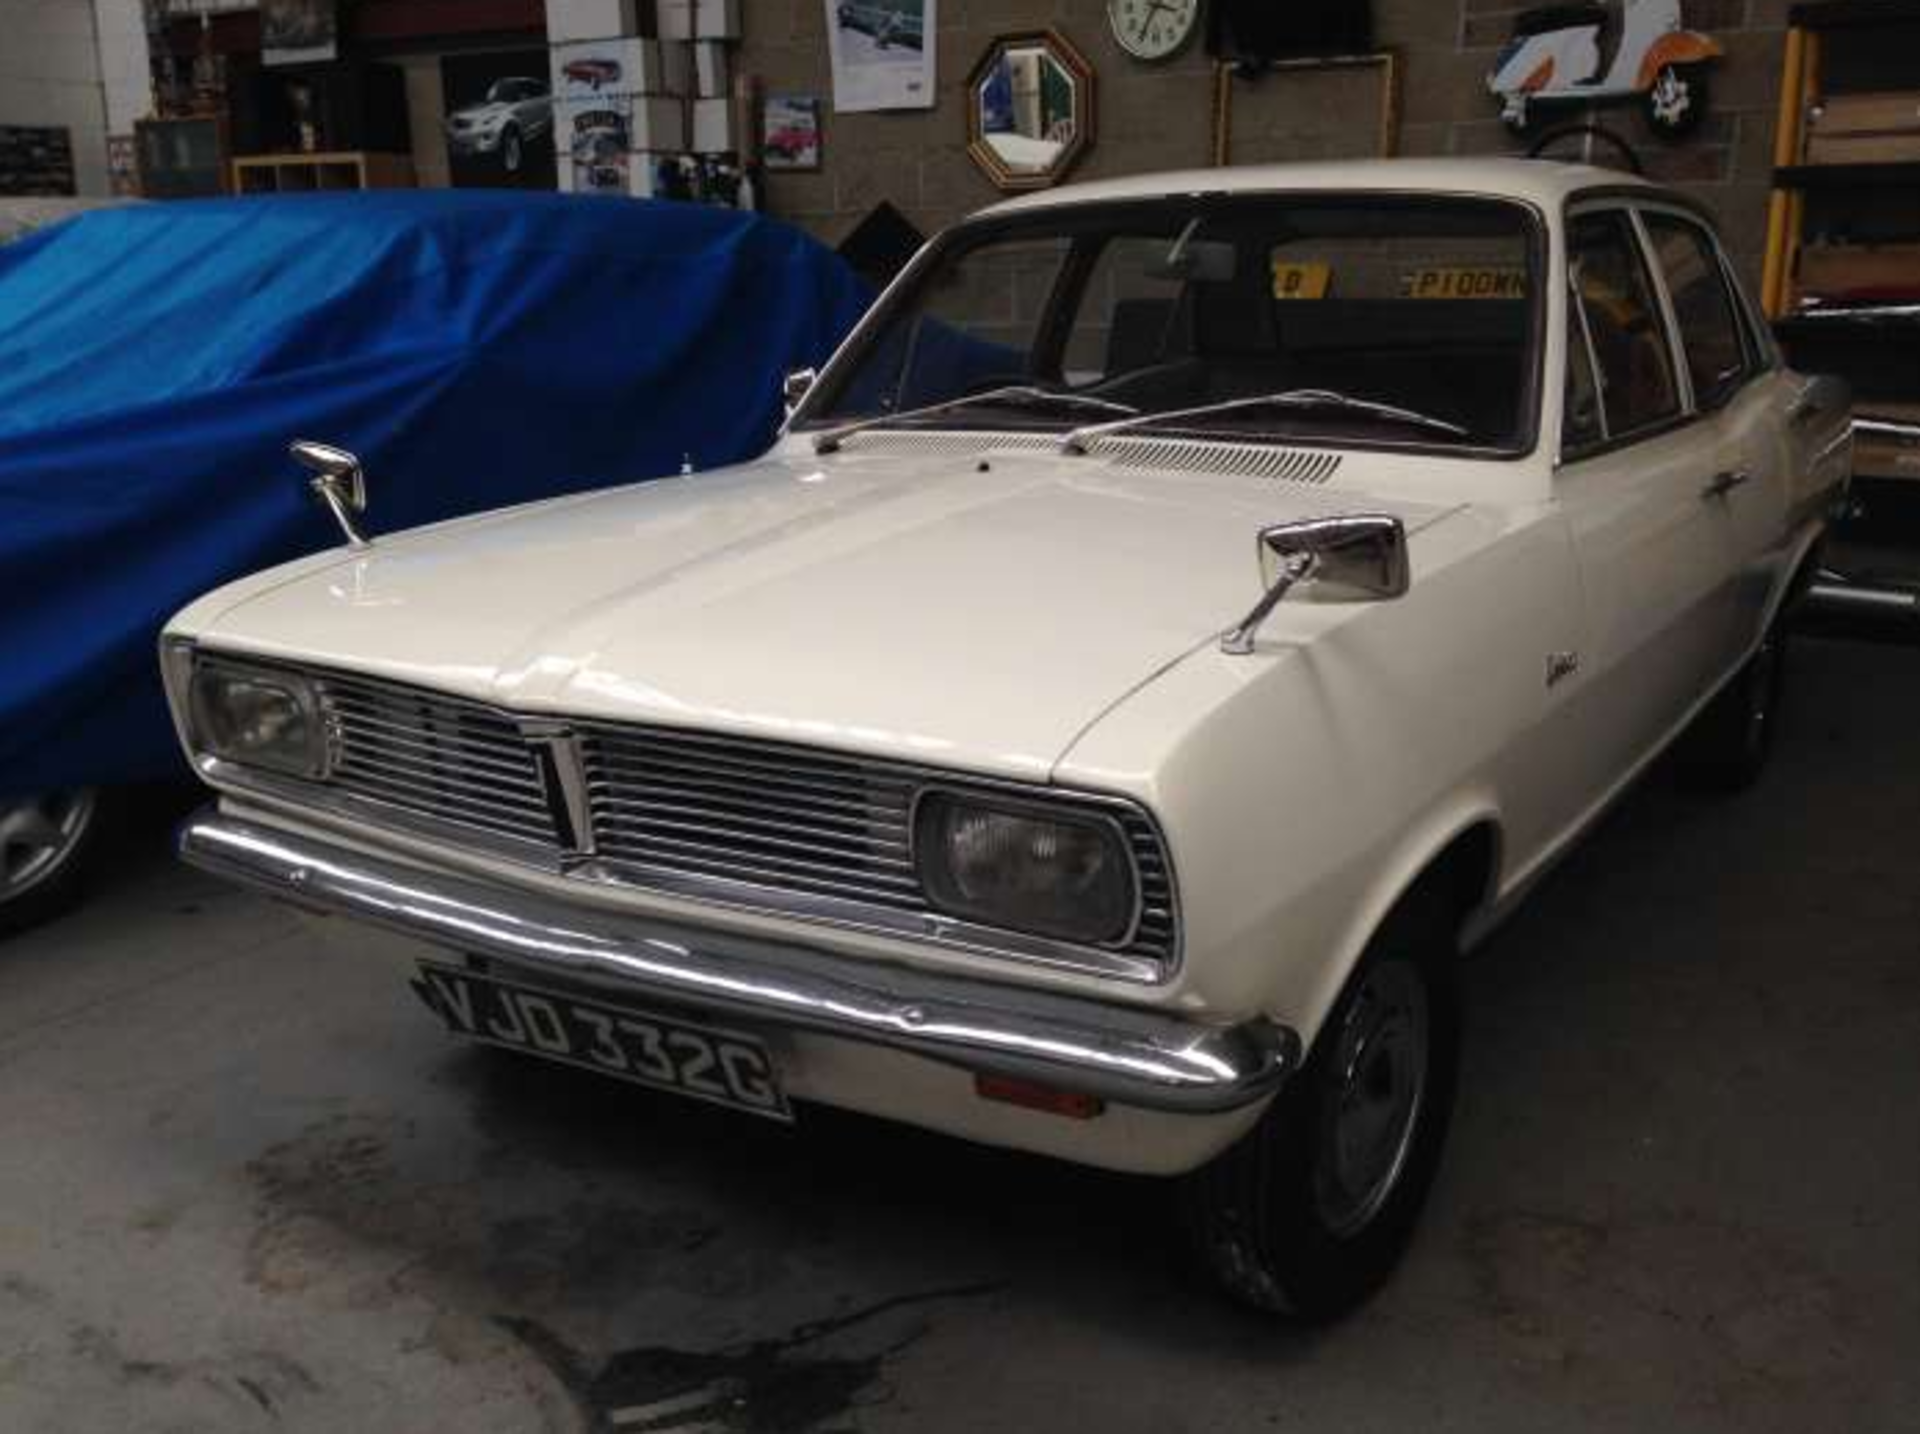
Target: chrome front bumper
point(1151, 1059)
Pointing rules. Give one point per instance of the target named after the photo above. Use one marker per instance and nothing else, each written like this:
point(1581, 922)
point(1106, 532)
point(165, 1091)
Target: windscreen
point(1381, 319)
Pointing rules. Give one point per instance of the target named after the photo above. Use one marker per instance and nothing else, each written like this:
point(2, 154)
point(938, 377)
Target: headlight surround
point(257, 718)
point(1027, 867)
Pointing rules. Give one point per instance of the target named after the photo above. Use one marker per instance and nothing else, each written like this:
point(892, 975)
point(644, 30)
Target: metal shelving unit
point(1842, 275)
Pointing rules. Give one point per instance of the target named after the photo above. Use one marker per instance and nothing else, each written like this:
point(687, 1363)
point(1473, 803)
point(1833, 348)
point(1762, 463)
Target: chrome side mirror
point(1360, 557)
point(798, 385)
point(339, 484)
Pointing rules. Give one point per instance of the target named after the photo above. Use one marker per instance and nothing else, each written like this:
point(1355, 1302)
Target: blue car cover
point(474, 348)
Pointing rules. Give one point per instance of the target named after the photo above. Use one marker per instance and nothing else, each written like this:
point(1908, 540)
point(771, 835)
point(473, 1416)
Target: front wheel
point(510, 151)
point(46, 842)
point(1308, 1214)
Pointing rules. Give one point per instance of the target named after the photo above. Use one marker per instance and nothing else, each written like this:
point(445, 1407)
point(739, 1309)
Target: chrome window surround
point(554, 747)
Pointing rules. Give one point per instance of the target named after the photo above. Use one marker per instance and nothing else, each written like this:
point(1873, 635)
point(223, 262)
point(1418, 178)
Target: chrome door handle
point(1725, 482)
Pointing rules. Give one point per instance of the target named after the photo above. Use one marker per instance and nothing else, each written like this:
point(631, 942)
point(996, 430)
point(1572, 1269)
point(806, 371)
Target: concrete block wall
point(50, 75)
point(1160, 117)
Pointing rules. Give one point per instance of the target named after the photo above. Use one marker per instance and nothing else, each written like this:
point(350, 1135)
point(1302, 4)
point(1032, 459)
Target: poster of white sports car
point(883, 53)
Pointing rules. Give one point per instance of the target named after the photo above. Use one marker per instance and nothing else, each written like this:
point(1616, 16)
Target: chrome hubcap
point(38, 836)
point(1375, 1098)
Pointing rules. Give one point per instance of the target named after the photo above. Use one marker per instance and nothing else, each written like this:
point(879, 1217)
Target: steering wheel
point(1587, 134)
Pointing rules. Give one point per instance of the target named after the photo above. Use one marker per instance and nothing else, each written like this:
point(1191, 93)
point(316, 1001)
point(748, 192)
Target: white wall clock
point(1153, 29)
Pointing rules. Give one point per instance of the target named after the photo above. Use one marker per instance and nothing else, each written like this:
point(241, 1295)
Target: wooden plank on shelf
point(1850, 176)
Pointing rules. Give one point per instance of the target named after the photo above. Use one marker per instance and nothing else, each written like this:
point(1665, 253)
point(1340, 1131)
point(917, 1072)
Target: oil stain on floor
point(816, 1374)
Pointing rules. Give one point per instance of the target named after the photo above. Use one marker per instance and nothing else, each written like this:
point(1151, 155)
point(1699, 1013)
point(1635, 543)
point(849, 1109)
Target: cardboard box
point(620, 175)
point(710, 63)
point(699, 19)
point(595, 71)
point(713, 127)
point(1876, 128)
point(598, 19)
point(655, 124)
point(1860, 271)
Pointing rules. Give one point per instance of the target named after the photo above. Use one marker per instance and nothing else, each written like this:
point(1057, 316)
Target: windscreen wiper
point(1077, 441)
point(1020, 395)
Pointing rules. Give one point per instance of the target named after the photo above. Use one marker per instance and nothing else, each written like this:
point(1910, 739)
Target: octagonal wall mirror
point(1029, 110)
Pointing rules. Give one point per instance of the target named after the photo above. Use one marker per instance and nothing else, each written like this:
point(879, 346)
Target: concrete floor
point(248, 1184)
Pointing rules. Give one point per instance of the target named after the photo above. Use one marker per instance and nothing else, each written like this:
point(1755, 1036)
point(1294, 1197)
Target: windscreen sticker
point(1301, 281)
point(1465, 283)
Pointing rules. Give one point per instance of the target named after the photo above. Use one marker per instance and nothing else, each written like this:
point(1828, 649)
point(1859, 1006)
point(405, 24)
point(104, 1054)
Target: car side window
point(1703, 307)
point(1580, 425)
point(1638, 387)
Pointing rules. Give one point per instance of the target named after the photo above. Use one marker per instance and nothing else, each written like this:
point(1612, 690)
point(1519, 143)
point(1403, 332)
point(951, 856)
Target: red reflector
point(1073, 1104)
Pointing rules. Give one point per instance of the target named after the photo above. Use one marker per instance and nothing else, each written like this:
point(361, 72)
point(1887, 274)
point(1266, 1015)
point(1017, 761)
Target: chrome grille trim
point(435, 756)
point(758, 801)
point(747, 814)
point(750, 824)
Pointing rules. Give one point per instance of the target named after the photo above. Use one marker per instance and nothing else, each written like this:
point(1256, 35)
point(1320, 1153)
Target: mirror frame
point(1062, 52)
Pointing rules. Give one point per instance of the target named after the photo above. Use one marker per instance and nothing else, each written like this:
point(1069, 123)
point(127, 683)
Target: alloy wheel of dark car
point(44, 842)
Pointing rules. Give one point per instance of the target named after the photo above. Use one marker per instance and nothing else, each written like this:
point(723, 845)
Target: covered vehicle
point(477, 349)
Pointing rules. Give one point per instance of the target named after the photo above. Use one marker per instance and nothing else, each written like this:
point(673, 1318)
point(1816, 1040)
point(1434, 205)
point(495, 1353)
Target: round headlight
point(258, 719)
point(1020, 866)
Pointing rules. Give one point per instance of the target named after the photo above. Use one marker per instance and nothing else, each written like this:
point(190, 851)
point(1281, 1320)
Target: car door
point(1655, 562)
point(1738, 395)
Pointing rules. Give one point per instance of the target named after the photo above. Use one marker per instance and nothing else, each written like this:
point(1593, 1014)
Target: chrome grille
point(771, 826)
point(436, 756)
point(684, 809)
point(760, 814)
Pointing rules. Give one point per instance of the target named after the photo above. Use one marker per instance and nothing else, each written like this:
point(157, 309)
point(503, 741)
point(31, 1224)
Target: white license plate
point(664, 1052)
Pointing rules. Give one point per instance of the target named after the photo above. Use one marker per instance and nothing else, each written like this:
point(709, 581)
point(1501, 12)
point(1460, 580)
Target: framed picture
point(499, 119)
point(882, 53)
point(790, 132)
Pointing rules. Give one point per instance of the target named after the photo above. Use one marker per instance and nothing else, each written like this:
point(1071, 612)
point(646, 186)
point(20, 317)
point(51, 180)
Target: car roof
point(1545, 183)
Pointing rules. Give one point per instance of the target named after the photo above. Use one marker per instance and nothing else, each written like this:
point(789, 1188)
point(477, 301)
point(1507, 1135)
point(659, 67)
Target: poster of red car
point(790, 132)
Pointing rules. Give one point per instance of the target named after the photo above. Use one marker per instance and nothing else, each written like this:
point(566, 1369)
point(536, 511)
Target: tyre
point(46, 845)
point(1308, 1214)
point(1729, 743)
point(1677, 100)
point(510, 150)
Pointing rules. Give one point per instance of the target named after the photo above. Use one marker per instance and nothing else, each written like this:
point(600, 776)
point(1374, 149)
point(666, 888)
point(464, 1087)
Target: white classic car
point(1186, 613)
